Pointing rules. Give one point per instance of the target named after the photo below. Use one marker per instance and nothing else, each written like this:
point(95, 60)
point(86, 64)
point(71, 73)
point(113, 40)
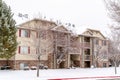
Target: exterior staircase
point(60, 58)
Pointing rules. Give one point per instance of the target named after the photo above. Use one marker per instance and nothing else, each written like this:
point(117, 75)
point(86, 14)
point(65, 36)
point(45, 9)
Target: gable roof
point(36, 19)
point(92, 32)
point(61, 28)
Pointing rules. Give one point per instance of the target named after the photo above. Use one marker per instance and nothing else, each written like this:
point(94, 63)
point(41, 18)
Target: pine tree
point(8, 42)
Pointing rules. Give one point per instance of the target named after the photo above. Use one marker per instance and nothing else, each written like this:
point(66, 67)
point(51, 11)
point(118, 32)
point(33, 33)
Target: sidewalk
point(83, 78)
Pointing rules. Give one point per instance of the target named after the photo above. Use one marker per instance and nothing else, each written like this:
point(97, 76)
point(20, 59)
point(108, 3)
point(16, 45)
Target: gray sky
point(83, 13)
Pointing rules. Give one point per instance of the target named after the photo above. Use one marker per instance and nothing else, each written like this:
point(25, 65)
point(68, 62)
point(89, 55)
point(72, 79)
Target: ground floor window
point(23, 65)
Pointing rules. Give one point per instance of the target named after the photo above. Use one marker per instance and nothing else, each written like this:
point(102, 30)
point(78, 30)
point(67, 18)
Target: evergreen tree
point(8, 42)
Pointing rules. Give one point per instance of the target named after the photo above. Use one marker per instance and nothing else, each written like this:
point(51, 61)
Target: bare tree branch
point(114, 48)
point(113, 7)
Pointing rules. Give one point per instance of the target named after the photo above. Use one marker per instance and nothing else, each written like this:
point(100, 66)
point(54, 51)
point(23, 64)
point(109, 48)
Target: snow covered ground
point(78, 73)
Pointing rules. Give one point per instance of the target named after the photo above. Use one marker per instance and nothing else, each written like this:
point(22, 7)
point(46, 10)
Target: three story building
point(45, 42)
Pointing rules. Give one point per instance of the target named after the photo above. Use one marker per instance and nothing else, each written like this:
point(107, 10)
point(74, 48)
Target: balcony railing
point(85, 45)
point(61, 42)
point(87, 57)
point(73, 50)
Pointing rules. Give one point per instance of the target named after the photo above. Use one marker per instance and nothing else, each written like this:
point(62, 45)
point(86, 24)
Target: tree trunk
point(38, 70)
point(115, 68)
point(38, 66)
point(7, 62)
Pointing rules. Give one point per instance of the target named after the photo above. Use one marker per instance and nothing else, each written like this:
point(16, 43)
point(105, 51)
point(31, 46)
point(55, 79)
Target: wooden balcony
point(87, 57)
point(85, 45)
point(61, 42)
point(74, 50)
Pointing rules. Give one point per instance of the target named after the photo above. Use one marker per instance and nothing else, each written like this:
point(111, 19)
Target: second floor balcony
point(87, 57)
point(85, 44)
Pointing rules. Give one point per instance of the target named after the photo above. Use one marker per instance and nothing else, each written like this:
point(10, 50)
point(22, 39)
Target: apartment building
point(45, 42)
point(95, 49)
point(91, 50)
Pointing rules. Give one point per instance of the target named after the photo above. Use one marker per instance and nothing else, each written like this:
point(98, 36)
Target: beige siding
point(33, 40)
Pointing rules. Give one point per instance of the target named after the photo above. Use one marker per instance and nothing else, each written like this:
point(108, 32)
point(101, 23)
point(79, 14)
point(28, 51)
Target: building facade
point(45, 42)
point(95, 49)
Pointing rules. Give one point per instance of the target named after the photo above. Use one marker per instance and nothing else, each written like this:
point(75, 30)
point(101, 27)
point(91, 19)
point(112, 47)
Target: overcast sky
point(83, 13)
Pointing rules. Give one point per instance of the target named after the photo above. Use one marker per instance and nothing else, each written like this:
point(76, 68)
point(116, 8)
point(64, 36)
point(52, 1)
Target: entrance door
point(87, 64)
point(62, 64)
point(75, 60)
point(21, 66)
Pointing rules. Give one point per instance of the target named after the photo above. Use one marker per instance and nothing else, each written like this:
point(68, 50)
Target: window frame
point(24, 50)
point(24, 33)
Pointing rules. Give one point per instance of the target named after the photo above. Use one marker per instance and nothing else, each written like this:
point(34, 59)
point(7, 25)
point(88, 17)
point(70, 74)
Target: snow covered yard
point(57, 73)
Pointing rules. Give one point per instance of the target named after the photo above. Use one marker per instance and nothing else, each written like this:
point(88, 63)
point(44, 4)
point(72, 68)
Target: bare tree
point(113, 7)
point(40, 35)
point(42, 39)
point(38, 46)
point(97, 55)
point(114, 48)
point(43, 44)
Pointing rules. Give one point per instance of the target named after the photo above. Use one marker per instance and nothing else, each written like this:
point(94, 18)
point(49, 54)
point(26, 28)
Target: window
point(104, 43)
point(87, 39)
point(23, 65)
point(24, 50)
point(96, 41)
point(24, 33)
point(87, 52)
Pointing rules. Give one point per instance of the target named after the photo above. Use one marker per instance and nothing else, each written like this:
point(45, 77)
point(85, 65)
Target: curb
point(103, 77)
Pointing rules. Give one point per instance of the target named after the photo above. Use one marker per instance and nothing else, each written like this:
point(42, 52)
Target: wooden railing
point(87, 57)
point(84, 45)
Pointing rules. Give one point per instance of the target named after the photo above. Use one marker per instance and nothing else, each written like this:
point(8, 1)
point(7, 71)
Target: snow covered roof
point(36, 19)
